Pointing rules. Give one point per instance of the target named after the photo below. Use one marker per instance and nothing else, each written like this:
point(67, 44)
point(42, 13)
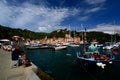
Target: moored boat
point(95, 59)
point(32, 47)
point(74, 45)
point(59, 47)
point(115, 50)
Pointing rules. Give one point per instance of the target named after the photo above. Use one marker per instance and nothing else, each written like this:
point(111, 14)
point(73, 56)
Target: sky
point(50, 15)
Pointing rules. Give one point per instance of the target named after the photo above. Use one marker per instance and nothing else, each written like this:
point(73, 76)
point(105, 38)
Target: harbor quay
point(15, 73)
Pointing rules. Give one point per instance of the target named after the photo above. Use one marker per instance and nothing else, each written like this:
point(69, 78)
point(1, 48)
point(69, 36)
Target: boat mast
point(69, 32)
point(82, 33)
point(85, 40)
point(114, 33)
point(111, 39)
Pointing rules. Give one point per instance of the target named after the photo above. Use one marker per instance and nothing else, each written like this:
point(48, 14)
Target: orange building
point(77, 40)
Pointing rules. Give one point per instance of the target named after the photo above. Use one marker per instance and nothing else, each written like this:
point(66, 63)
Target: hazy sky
point(49, 15)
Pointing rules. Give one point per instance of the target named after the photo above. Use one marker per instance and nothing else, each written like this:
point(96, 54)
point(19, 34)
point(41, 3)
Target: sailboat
point(74, 43)
point(93, 58)
point(113, 46)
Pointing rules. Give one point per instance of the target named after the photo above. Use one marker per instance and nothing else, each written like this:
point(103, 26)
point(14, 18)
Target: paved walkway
point(18, 73)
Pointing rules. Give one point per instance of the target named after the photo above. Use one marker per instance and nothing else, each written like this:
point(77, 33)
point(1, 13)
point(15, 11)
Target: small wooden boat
point(90, 59)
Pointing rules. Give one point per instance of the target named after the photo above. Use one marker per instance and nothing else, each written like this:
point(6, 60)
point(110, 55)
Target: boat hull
point(92, 62)
point(32, 48)
point(59, 48)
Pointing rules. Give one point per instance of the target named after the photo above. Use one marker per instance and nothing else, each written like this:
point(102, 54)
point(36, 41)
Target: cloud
point(4, 1)
point(34, 17)
point(84, 18)
point(95, 9)
point(88, 12)
point(106, 28)
point(62, 2)
point(5, 13)
point(93, 2)
point(74, 11)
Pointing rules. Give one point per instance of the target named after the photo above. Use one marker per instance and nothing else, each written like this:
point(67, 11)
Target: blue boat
point(93, 58)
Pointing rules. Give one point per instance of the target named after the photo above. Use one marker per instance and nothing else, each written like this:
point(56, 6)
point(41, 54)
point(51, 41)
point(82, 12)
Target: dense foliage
point(6, 32)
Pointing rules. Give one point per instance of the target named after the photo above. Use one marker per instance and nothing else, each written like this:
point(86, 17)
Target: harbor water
point(62, 65)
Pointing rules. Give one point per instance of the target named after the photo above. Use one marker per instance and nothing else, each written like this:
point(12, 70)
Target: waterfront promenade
point(16, 73)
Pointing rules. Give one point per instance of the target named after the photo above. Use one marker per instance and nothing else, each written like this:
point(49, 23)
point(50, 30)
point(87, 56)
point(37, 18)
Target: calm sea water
point(62, 65)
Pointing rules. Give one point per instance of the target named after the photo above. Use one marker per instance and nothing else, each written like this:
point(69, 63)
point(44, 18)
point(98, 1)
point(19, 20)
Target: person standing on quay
point(15, 55)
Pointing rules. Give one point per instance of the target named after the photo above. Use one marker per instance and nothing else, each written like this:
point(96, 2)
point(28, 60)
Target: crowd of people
point(20, 57)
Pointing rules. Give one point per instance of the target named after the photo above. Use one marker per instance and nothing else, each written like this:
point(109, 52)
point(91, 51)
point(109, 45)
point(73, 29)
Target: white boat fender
point(110, 62)
point(103, 66)
point(100, 64)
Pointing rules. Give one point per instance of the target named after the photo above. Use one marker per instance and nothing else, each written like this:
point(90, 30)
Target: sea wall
point(15, 73)
point(21, 72)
